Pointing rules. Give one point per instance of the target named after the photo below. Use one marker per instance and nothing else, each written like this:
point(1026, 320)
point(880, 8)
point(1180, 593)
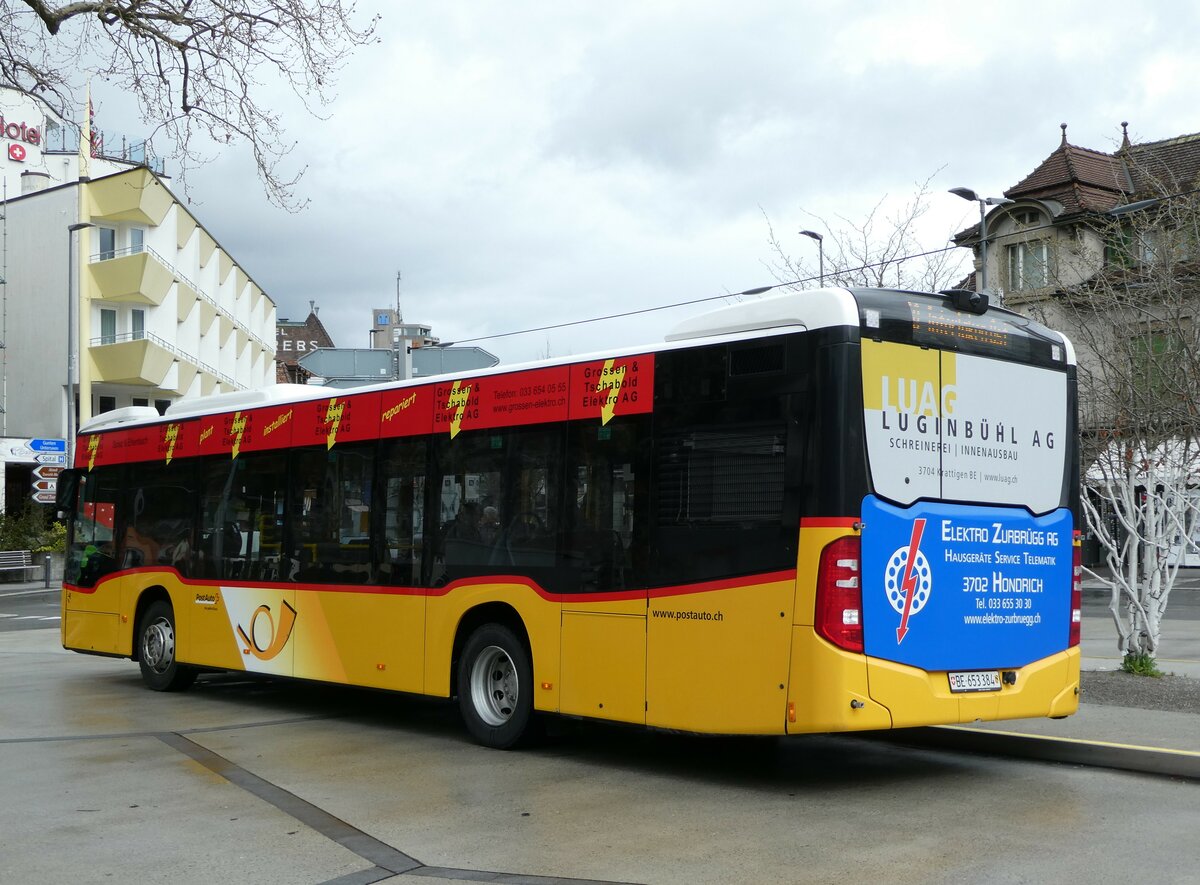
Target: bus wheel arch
point(492, 672)
point(154, 643)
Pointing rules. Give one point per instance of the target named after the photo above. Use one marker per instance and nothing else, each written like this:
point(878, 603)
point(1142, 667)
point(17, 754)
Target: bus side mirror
point(66, 491)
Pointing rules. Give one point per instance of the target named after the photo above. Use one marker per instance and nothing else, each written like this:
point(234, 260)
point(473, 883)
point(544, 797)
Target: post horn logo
point(276, 639)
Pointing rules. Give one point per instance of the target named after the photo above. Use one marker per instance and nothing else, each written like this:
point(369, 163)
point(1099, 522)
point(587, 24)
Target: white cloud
point(529, 163)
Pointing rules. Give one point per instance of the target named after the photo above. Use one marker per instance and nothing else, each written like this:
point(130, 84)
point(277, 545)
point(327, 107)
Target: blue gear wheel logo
point(893, 577)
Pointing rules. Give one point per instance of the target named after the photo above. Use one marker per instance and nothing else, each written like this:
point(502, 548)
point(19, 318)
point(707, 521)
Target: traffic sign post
point(48, 445)
point(51, 458)
point(43, 497)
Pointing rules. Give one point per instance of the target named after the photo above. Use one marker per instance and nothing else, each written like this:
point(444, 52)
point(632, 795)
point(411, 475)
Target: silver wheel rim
point(494, 686)
point(158, 645)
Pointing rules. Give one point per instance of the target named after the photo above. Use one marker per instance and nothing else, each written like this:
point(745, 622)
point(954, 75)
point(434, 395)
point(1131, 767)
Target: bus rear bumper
point(832, 690)
point(1048, 687)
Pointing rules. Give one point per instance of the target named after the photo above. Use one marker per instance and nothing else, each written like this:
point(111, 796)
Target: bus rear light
point(838, 616)
point(1076, 596)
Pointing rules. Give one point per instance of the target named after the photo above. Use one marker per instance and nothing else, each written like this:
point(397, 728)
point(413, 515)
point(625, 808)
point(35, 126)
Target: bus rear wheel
point(495, 687)
point(156, 650)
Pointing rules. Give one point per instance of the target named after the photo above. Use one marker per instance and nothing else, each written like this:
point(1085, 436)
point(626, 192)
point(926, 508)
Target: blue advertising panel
point(960, 587)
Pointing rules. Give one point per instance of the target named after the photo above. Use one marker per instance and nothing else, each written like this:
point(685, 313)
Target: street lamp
point(1117, 211)
point(967, 194)
point(72, 334)
point(813, 235)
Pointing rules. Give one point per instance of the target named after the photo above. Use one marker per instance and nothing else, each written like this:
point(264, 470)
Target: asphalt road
point(29, 609)
point(283, 782)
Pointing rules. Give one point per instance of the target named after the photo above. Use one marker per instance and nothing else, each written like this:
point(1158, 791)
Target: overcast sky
point(527, 163)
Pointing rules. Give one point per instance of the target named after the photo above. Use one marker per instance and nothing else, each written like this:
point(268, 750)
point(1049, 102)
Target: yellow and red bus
point(822, 511)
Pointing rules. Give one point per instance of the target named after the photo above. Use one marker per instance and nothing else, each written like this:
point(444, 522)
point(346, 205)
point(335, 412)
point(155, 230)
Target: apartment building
point(114, 293)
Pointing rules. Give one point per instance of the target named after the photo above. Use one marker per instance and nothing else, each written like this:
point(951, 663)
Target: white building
point(102, 246)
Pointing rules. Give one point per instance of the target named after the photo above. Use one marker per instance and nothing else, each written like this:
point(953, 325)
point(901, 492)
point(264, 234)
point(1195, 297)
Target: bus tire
point(495, 687)
point(156, 650)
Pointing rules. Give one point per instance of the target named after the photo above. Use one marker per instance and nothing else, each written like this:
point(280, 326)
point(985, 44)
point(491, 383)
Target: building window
point(108, 242)
point(137, 239)
point(161, 405)
point(1158, 368)
point(1029, 265)
point(108, 326)
point(1027, 218)
point(141, 401)
point(137, 324)
point(107, 404)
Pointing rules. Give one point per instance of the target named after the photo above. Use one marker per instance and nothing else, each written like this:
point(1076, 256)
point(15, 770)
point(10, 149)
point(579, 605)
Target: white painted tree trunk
point(1155, 517)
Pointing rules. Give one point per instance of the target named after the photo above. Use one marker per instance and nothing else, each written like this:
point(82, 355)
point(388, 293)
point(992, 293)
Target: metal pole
point(72, 334)
point(70, 346)
point(821, 261)
point(983, 246)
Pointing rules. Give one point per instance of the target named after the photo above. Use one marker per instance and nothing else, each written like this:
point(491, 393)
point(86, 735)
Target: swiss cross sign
point(16, 152)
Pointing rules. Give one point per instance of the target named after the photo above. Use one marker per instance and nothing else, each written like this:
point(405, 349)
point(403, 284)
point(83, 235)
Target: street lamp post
point(967, 194)
point(813, 235)
point(72, 334)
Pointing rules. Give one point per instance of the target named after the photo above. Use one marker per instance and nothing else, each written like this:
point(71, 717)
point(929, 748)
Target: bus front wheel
point(495, 687)
point(156, 650)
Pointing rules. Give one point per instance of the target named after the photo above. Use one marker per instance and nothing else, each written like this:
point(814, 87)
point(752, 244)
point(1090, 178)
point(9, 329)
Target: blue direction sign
point(48, 445)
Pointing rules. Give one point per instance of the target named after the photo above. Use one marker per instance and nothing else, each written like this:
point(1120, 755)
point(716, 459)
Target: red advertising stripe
point(406, 411)
point(607, 388)
point(534, 397)
point(269, 428)
point(117, 447)
point(177, 439)
point(339, 419)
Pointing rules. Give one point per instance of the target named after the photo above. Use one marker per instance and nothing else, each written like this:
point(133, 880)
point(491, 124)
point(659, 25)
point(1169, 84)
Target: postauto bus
point(829, 510)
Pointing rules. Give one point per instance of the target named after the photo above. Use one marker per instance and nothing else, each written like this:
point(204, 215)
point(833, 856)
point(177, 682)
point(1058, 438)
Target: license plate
point(978, 680)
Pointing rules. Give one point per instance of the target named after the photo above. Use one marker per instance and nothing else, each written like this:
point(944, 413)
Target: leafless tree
point(1136, 327)
point(880, 250)
point(195, 67)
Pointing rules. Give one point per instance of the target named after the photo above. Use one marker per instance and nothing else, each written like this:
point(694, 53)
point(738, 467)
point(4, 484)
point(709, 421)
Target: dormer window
point(1026, 218)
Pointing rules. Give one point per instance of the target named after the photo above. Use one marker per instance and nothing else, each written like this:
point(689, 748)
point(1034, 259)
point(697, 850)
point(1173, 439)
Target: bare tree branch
point(192, 65)
point(879, 250)
point(1136, 326)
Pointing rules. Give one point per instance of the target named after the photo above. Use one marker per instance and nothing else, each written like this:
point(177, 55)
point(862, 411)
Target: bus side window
point(159, 526)
point(330, 513)
point(402, 481)
point(498, 496)
point(241, 521)
point(604, 534)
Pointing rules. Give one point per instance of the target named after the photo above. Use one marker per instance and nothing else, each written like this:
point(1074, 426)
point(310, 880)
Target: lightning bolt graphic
point(333, 417)
point(93, 448)
point(172, 437)
point(909, 584)
point(459, 397)
point(613, 382)
point(239, 427)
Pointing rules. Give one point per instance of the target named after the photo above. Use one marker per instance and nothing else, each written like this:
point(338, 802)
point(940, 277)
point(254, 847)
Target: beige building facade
point(114, 293)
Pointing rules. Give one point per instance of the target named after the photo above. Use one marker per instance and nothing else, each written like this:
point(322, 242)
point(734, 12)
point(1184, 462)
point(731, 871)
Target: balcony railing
point(125, 337)
point(105, 146)
point(109, 254)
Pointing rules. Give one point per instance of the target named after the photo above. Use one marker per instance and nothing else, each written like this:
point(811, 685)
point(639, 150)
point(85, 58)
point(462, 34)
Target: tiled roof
point(1087, 181)
point(1079, 178)
point(1170, 165)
